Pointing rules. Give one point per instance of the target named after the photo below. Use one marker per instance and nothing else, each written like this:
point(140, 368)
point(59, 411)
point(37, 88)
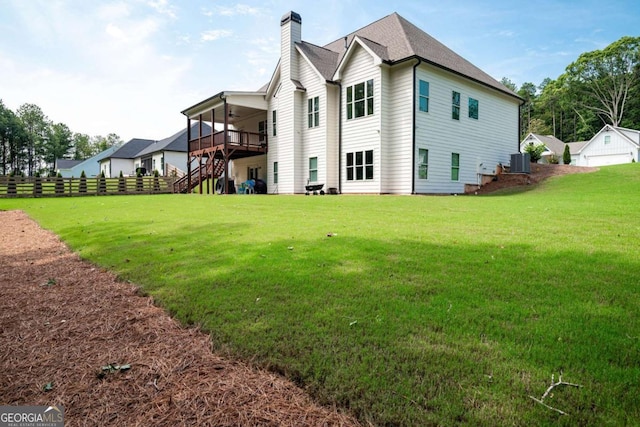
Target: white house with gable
point(612, 145)
point(384, 109)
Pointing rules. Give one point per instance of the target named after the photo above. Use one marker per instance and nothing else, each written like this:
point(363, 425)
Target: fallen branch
point(551, 387)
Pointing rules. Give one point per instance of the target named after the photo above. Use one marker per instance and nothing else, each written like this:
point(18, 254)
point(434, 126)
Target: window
point(360, 165)
point(275, 172)
point(473, 108)
point(360, 100)
point(313, 169)
point(424, 96)
point(607, 139)
point(455, 166)
point(273, 123)
point(313, 111)
point(455, 105)
point(423, 163)
point(262, 130)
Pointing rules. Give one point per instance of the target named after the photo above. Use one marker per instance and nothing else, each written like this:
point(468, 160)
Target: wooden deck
point(239, 144)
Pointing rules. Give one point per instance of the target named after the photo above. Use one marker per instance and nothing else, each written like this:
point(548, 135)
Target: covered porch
point(239, 123)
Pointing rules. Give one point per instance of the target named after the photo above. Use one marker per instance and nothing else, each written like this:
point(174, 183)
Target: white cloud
point(212, 35)
point(163, 7)
point(238, 9)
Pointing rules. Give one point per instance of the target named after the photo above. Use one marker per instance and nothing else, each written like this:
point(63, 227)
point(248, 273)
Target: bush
point(566, 156)
point(83, 183)
point(553, 159)
point(535, 151)
point(102, 183)
point(59, 184)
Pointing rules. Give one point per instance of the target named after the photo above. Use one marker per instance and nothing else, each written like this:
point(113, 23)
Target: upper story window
point(424, 96)
point(360, 100)
point(455, 105)
point(473, 108)
point(273, 122)
point(607, 139)
point(262, 130)
point(313, 111)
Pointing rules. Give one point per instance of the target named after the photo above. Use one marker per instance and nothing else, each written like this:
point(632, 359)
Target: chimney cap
point(291, 16)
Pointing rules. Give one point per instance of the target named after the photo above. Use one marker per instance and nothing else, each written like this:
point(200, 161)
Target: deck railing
point(251, 141)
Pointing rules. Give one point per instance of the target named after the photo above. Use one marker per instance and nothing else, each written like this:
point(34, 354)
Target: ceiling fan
point(232, 115)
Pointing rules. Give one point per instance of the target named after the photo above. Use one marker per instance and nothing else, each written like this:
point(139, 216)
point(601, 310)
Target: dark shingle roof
point(395, 39)
point(325, 60)
point(131, 149)
point(66, 164)
point(177, 141)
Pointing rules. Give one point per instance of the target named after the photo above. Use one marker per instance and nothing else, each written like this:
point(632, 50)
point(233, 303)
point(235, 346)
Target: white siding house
point(610, 146)
point(385, 109)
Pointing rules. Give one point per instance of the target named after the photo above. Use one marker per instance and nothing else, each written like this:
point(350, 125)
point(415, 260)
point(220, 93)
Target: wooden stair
point(213, 168)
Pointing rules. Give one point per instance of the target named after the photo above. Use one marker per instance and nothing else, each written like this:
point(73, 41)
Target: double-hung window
point(275, 172)
point(262, 130)
point(423, 163)
point(313, 111)
point(455, 105)
point(360, 100)
point(313, 169)
point(360, 165)
point(273, 123)
point(473, 108)
point(424, 96)
point(455, 167)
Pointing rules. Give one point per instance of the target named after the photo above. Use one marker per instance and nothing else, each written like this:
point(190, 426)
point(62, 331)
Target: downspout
point(413, 131)
point(339, 137)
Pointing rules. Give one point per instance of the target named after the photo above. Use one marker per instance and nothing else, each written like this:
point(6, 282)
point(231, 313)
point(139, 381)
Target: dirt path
point(62, 320)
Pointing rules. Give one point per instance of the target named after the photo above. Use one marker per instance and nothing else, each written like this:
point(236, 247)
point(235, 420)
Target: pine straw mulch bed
point(63, 322)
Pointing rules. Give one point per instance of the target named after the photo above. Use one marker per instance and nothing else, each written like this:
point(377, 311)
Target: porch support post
point(200, 172)
point(188, 154)
point(226, 137)
point(200, 131)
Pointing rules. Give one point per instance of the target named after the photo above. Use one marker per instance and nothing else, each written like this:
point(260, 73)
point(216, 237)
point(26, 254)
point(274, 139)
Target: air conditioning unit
point(520, 163)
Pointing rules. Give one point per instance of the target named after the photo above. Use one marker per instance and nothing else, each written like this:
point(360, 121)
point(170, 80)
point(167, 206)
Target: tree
point(12, 142)
point(566, 155)
point(35, 125)
point(535, 151)
point(509, 84)
point(605, 77)
point(57, 144)
point(82, 148)
point(527, 92)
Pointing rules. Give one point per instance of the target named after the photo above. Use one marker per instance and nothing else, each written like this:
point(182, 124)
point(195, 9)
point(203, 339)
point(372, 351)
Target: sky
point(130, 67)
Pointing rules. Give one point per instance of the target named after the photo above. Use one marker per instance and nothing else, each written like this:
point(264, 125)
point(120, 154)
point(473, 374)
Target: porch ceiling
point(241, 106)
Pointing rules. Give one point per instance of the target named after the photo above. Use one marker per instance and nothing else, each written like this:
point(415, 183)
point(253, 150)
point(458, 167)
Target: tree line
point(600, 87)
point(30, 143)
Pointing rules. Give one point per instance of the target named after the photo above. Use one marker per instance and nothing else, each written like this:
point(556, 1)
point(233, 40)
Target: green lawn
point(416, 310)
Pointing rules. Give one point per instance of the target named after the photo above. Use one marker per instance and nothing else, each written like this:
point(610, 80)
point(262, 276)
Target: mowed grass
point(402, 310)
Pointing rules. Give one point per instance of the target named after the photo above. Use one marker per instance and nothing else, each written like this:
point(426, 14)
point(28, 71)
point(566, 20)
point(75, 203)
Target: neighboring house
point(168, 154)
point(385, 109)
point(610, 146)
point(552, 147)
point(90, 166)
point(122, 159)
point(65, 166)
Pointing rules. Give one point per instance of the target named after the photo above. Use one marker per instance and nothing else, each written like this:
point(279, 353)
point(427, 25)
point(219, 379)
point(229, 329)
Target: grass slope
point(417, 310)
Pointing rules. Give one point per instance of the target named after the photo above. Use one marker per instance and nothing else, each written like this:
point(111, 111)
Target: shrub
point(102, 183)
point(535, 151)
point(566, 156)
point(122, 183)
point(553, 159)
point(59, 184)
